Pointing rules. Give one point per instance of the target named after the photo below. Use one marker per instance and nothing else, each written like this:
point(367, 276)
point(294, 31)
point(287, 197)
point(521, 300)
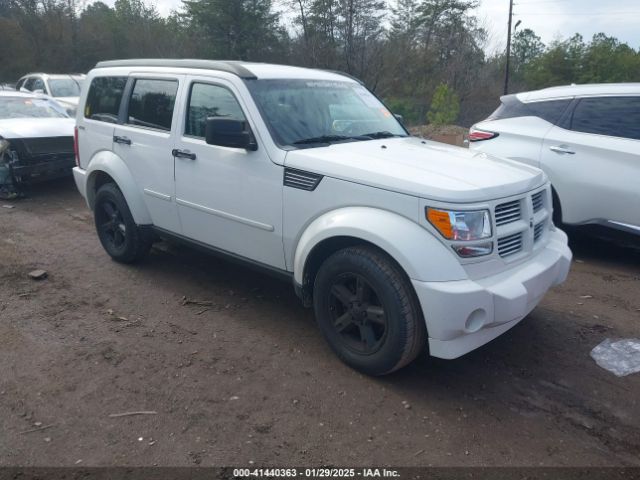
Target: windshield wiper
point(338, 138)
point(382, 134)
point(322, 139)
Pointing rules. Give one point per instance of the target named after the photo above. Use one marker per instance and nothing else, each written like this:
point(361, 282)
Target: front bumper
point(54, 167)
point(464, 315)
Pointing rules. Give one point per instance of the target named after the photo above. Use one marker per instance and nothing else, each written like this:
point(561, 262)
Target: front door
point(228, 198)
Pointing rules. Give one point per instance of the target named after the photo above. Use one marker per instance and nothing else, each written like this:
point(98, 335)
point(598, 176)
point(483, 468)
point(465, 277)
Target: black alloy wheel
point(357, 314)
point(111, 225)
point(123, 240)
point(368, 311)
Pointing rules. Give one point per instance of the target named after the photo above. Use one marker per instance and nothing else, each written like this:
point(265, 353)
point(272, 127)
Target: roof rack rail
point(221, 65)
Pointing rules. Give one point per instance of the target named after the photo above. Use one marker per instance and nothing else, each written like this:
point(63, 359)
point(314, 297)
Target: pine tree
point(445, 106)
point(238, 29)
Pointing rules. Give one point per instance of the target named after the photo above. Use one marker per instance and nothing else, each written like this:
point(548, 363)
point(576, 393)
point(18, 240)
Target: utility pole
point(506, 75)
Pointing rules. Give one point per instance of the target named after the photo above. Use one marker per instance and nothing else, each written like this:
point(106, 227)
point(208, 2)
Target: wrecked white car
point(36, 141)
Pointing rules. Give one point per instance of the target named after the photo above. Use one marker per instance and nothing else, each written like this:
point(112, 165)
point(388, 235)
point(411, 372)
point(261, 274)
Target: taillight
point(75, 145)
point(476, 135)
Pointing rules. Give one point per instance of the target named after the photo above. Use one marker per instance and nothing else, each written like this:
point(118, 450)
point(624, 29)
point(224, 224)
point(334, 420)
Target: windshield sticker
point(327, 84)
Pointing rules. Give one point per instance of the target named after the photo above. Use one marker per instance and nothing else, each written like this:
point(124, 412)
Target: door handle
point(183, 154)
point(562, 149)
point(122, 140)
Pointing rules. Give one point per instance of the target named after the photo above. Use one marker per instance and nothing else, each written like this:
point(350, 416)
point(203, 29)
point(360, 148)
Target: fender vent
point(301, 179)
point(507, 212)
point(510, 244)
point(538, 201)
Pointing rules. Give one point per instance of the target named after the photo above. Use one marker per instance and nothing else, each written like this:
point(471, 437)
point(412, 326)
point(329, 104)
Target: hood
point(36, 127)
point(420, 168)
point(71, 101)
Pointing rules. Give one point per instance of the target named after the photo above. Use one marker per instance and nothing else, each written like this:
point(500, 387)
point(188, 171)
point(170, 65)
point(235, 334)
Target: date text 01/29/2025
point(315, 472)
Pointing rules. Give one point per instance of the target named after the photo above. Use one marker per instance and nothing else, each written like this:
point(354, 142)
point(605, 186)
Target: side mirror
point(399, 117)
point(229, 133)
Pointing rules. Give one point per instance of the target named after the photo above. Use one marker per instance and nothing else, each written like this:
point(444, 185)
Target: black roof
point(228, 66)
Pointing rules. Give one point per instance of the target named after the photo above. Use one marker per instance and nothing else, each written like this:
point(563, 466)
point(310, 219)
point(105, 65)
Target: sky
point(550, 19)
point(553, 19)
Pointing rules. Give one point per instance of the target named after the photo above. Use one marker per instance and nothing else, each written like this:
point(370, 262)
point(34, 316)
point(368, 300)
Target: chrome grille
point(508, 212)
point(510, 244)
point(537, 199)
point(537, 231)
point(301, 179)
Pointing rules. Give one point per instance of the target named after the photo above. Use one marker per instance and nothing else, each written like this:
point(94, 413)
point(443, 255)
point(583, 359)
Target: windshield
point(64, 87)
point(19, 107)
point(312, 112)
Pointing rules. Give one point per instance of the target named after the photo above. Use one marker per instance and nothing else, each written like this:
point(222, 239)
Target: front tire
point(123, 240)
point(367, 311)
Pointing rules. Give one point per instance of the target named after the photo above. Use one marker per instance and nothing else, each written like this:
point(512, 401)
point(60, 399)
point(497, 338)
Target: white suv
point(587, 140)
point(393, 240)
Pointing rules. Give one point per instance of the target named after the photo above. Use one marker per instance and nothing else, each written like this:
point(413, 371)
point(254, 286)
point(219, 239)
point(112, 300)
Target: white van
point(398, 243)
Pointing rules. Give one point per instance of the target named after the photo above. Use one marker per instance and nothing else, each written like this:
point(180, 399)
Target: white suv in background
point(395, 241)
point(586, 138)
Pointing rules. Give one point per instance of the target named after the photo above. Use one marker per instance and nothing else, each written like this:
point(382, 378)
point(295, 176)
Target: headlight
point(461, 225)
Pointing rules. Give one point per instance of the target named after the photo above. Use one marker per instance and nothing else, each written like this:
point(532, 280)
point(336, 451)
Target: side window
point(612, 116)
point(510, 107)
point(38, 84)
point(28, 84)
point(103, 99)
point(20, 84)
point(206, 101)
point(151, 103)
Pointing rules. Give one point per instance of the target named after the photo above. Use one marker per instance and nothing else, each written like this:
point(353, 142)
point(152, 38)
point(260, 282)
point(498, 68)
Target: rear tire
point(367, 311)
point(123, 240)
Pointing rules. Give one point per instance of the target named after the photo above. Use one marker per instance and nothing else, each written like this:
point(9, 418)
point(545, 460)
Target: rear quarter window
point(549, 110)
point(103, 99)
point(611, 116)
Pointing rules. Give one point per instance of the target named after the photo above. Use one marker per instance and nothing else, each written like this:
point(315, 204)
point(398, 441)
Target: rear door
point(594, 161)
point(144, 140)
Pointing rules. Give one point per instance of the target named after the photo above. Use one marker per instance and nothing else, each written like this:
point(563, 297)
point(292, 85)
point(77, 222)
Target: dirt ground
point(249, 378)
